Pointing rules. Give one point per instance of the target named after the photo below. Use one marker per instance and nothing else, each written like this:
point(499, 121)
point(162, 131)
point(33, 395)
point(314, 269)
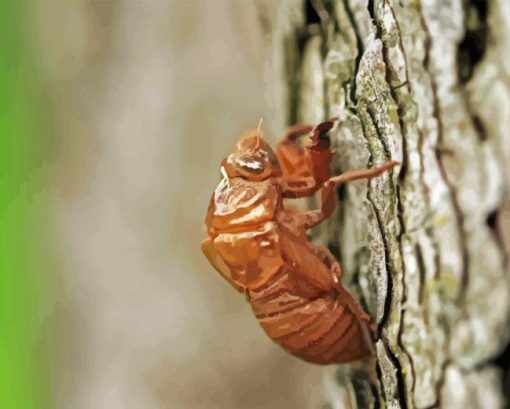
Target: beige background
point(148, 97)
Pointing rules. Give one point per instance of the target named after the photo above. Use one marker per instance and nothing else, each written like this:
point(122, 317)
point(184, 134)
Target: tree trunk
point(424, 249)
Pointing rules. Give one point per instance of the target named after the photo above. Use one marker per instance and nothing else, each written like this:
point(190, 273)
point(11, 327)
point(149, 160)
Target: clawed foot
point(318, 132)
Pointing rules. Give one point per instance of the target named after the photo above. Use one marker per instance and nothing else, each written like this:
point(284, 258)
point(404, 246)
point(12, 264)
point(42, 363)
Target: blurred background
point(115, 116)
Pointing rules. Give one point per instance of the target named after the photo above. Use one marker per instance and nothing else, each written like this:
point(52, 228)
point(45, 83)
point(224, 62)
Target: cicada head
point(252, 158)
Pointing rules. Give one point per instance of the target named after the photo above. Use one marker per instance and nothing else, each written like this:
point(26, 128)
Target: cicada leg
point(310, 161)
point(291, 155)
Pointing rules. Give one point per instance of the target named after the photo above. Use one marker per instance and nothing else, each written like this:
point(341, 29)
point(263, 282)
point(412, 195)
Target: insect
point(261, 247)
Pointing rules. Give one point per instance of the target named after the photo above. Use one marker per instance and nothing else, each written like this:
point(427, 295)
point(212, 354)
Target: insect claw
point(323, 127)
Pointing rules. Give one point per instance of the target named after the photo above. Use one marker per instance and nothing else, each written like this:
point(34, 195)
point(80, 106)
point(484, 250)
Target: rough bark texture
point(426, 83)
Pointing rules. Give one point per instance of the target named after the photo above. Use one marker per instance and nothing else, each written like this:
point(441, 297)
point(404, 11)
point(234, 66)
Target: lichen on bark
point(423, 247)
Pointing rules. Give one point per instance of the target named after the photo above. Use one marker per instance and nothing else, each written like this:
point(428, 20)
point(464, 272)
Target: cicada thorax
point(243, 218)
point(238, 204)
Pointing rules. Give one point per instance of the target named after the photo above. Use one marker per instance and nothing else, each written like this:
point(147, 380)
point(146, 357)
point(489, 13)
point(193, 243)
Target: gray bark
point(424, 249)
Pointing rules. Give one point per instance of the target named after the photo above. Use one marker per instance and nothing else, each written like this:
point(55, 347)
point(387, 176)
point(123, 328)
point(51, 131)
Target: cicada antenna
point(259, 133)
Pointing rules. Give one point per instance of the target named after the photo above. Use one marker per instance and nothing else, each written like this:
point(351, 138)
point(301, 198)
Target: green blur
point(27, 267)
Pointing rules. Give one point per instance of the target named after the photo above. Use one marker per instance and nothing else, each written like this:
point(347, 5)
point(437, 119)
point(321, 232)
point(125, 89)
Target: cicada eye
point(250, 164)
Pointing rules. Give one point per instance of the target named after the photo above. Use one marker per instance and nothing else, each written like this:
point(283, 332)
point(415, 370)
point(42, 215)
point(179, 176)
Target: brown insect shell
point(243, 210)
point(258, 246)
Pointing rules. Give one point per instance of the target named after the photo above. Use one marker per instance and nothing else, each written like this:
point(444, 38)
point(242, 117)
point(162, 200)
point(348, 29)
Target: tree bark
point(425, 248)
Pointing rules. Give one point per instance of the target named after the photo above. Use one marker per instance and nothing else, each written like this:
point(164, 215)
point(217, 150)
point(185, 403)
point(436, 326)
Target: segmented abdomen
point(321, 330)
point(293, 307)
